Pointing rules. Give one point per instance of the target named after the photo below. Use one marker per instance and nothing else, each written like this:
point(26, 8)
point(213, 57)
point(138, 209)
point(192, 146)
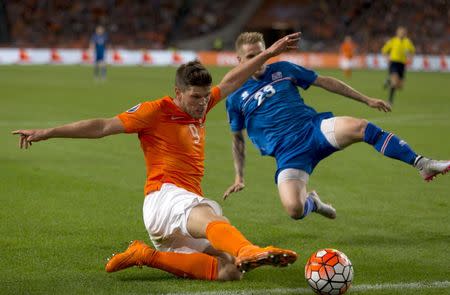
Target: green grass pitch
point(67, 204)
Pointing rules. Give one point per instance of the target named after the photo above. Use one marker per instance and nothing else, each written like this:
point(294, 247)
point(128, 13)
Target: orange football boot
point(251, 257)
point(133, 256)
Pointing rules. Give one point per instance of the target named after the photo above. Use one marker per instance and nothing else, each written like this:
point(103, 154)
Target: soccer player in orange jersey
point(192, 238)
point(346, 61)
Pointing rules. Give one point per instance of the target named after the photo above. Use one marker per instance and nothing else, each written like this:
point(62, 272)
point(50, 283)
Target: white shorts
point(346, 63)
point(327, 127)
point(165, 215)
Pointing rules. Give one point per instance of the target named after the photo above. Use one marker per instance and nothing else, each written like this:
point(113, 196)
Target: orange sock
point(197, 266)
point(225, 237)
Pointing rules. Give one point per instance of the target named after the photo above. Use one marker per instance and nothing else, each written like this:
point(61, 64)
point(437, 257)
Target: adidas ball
point(329, 272)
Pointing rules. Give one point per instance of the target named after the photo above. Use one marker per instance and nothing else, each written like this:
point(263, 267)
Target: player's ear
point(177, 92)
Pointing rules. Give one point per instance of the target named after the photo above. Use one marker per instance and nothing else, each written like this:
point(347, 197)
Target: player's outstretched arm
point(239, 163)
point(337, 86)
point(237, 76)
point(94, 128)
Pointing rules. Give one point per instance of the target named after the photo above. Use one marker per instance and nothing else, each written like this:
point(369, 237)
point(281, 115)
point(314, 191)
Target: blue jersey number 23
point(262, 94)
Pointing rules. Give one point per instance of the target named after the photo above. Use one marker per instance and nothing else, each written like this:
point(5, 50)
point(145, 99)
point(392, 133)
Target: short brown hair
point(192, 73)
point(248, 38)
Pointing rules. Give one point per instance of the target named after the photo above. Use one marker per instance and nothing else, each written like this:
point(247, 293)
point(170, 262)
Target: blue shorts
point(306, 154)
point(99, 56)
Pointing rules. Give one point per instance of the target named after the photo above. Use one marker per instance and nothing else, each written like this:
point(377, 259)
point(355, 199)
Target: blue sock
point(388, 144)
point(310, 206)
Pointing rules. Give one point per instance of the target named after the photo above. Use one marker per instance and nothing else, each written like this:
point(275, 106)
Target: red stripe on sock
point(386, 142)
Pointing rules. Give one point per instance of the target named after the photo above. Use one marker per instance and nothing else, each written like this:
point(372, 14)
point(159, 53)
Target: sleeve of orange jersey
point(139, 117)
point(215, 98)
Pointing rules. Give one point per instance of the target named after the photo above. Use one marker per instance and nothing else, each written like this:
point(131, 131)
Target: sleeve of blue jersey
point(304, 77)
point(235, 118)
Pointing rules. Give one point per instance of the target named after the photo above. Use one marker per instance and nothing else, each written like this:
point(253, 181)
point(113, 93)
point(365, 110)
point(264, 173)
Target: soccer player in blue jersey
point(281, 125)
point(98, 43)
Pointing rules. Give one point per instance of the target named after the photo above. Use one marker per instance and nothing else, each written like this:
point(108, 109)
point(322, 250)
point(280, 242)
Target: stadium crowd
point(370, 22)
point(151, 23)
point(156, 24)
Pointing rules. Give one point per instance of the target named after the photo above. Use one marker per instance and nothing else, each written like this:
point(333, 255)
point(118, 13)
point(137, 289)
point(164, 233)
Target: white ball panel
point(321, 253)
point(338, 268)
point(338, 278)
point(321, 283)
point(337, 285)
point(315, 276)
point(350, 276)
point(327, 289)
point(346, 272)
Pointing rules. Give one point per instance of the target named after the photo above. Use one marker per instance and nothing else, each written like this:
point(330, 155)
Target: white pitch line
point(356, 288)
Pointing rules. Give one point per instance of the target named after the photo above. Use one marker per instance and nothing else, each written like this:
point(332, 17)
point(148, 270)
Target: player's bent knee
point(228, 271)
point(295, 211)
point(361, 127)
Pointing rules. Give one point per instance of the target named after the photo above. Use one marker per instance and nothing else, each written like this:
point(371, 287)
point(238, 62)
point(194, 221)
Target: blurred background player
point(97, 45)
point(398, 49)
point(347, 51)
point(191, 236)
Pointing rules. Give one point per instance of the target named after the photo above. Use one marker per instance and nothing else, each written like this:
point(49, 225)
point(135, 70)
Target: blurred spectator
point(156, 24)
point(65, 23)
point(370, 22)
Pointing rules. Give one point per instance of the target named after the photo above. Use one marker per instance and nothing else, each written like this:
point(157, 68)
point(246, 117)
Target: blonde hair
point(248, 38)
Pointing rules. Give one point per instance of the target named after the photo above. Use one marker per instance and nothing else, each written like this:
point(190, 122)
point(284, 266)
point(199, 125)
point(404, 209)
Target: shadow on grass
point(149, 277)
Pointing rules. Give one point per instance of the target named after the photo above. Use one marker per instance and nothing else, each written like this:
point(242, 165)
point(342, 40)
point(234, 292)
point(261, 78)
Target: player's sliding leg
point(203, 222)
point(295, 199)
point(350, 130)
point(192, 265)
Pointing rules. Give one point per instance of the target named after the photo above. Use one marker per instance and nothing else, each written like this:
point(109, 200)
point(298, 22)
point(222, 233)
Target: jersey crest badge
point(134, 109)
point(276, 76)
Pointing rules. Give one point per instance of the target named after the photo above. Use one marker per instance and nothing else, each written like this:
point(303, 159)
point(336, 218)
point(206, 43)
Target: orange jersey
point(347, 49)
point(172, 141)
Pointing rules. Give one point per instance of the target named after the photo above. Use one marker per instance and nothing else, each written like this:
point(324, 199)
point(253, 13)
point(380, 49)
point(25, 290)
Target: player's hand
point(29, 136)
point(237, 186)
point(379, 104)
point(284, 44)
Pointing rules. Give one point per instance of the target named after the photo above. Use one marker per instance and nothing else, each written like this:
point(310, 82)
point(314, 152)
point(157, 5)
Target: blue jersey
point(272, 109)
point(99, 41)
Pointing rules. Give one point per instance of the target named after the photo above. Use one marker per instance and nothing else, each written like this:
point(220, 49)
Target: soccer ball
point(329, 272)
